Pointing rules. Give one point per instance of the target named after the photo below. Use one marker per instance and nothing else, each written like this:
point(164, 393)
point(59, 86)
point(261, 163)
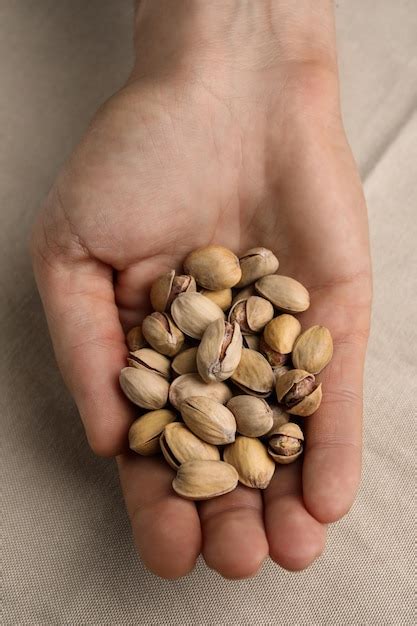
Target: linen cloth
point(67, 553)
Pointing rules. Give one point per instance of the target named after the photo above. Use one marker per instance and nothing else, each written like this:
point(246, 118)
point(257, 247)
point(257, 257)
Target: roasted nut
point(148, 359)
point(167, 287)
point(209, 420)
point(161, 333)
point(135, 339)
point(145, 431)
point(213, 267)
point(144, 387)
point(274, 358)
point(250, 458)
point(254, 374)
point(222, 297)
point(244, 294)
point(185, 362)
point(281, 333)
point(313, 349)
point(193, 312)
point(179, 445)
point(219, 352)
point(256, 263)
point(279, 418)
point(189, 385)
point(253, 415)
point(286, 445)
point(251, 314)
point(251, 342)
point(201, 480)
point(298, 392)
point(284, 292)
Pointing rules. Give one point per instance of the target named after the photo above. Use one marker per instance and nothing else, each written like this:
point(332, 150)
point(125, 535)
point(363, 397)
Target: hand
point(243, 155)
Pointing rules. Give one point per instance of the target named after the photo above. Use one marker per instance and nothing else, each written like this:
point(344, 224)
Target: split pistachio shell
point(179, 445)
point(219, 352)
point(192, 385)
point(135, 339)
point(284, 292)
point(286, 445)
point(161, 333)
point(244, 294)
point(148, 359)
point(250, 458)
point(281, 333)
point(193, 312)
point(254, 374)
point(144, 387)
point(185, 362)
point(274, 358)
point(313, 349)
point(279, 418)
point(298, 392)
point(209, 420)
point(256, 263)
point(201, 480)
point(253, 415)
point(251, 342)
point(251, 314)
point(144, 433)
point(222, 297)
point(167, 287)
point(214, 267)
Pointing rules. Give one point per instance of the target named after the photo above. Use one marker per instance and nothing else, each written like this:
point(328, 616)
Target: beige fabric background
point(68, 557)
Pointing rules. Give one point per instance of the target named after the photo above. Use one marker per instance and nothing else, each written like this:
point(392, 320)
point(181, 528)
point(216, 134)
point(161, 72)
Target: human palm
point(162, 170)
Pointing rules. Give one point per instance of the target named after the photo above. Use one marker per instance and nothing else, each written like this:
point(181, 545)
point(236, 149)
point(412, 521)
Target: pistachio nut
point(209, 420)
point(251, 342)
point(214, 267)
point(274, 358)
point(145, 431)
point(144, 387)
point(167, 287)
point(179, 445)
point(298, 391)
point(148, 359)
point(251, 314)
point(161, 333)
point(222, 297)
point(284, 292)
point(256, 263)
point(253, 415)
point(313, 349)
point(135, 339)
point(201, 480)
point(188, 385)
point(279, 417)
point(250, 458)
point(193, 312)
point(185, 362)
point(253, 374)
point(281, 333)
point(219, 352)
point(286, 445)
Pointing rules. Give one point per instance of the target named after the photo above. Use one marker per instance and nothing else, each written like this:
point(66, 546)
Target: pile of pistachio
point(205, 366)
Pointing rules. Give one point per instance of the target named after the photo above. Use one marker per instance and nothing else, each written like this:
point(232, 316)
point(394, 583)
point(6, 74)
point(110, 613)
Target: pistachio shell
point(179, 445)
point(145, 431)
point(274, 358)
point(305, 394)
point(192, 385)
point(244, 294)
point(313, 349)
point(256, 263)
point(251, 342)
point(279, 417)
point(167, 287)
point(209, 420)
point(148, 359)
point(135, 339)
point(201, 480)
point(251, 314)
point(193, 312)
point(219, 352)
point(285, 446)
point(281, 333)
point(250, 458)
point(309, 404)
point(161, 333)
point(144, 388)
point(222, 297)
point(185, 362)
point(284, 292)
point(254, 374)
point(290, 378)
point(214, 267)
point(253, 415)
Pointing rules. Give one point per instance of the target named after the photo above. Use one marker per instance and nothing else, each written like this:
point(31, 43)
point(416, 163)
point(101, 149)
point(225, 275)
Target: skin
point(231, 133)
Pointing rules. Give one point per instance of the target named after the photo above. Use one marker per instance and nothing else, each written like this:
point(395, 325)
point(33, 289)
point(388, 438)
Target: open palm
point(162, 170)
